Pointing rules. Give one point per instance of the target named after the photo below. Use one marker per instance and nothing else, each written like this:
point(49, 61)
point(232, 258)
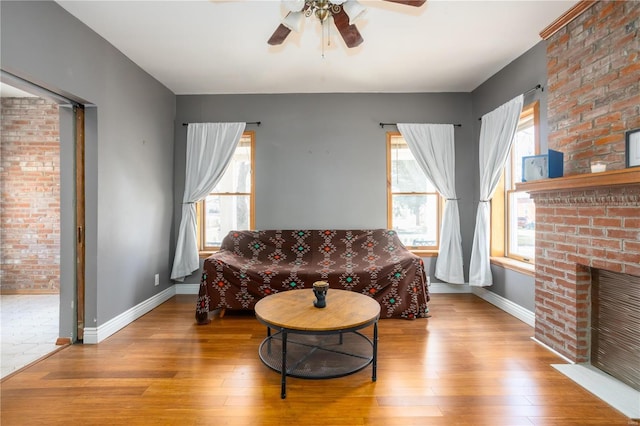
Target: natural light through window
point(413, 203)
point(230, 205)
point(520, 212)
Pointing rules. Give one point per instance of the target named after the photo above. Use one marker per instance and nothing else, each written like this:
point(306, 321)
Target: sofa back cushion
point(314, 247)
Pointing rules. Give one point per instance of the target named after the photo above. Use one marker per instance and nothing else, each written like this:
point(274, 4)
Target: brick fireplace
point(587, 220)
point(582, 222)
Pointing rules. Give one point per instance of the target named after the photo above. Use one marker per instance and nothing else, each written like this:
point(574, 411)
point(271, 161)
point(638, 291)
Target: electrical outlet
point(157, 282)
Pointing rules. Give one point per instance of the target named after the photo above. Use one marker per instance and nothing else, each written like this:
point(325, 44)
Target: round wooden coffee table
point(318, 343)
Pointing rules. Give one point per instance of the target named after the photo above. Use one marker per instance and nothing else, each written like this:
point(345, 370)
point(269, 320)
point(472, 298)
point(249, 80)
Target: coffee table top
point(294, 310)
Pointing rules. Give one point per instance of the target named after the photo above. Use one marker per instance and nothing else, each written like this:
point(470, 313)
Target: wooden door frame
point(80, 221)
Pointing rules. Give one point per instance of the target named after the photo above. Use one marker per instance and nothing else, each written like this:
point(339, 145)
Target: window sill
point(514, 265)
point(425, 253)
point(205, 254)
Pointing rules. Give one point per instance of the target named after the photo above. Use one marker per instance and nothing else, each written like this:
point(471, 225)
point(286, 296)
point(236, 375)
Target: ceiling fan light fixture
point(322, 9)
point(342, 13)
point(293, 21)
point(354, 10)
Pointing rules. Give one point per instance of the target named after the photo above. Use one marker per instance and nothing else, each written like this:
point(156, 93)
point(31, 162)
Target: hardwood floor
point(469, 364)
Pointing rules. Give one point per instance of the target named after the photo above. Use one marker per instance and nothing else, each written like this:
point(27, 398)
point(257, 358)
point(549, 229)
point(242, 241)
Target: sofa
point(251, 265)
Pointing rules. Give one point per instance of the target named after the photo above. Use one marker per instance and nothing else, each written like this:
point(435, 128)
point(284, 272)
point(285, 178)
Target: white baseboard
point(187, 288)
point(506, 305)
point(94, 335)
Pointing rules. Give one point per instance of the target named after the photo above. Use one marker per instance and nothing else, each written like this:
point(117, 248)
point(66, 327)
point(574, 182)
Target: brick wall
point(593, 67)
point(30, 191)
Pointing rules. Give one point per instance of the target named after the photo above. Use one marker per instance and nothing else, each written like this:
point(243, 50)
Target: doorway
point(37, 309)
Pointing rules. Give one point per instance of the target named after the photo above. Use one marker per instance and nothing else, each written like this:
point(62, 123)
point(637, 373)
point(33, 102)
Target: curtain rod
point(395, 124)
point(257, 123)
point(533, 89)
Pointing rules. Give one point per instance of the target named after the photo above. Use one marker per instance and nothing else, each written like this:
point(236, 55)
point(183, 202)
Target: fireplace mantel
point(630, 176)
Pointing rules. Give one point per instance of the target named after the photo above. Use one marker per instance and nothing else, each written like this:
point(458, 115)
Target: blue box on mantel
point(549, 165)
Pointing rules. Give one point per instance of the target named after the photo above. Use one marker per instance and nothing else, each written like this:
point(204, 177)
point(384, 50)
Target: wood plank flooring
point(469, 364)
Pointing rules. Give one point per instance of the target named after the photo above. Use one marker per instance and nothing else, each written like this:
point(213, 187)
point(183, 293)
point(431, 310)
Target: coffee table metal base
point(318, 355)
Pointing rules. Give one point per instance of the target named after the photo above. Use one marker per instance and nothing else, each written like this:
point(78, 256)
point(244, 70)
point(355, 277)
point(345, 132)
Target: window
point(413, 204)
point(230, 205)
point(515, 209)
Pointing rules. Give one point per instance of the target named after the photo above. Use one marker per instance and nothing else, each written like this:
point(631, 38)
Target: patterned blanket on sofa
point(253, 264)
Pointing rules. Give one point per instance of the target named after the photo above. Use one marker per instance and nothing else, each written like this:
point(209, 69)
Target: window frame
point(419, 250)
point(500, 206)
point(200, 210)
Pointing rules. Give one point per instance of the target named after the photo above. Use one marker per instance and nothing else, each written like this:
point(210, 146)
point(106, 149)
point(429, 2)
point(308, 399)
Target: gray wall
point(321, 158)
point(129, 152)
point(519, 76)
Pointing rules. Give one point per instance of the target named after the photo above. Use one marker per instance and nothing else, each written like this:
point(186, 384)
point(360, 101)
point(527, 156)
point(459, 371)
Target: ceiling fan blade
point(279, 35)
point(349, 33)
point(415, 3)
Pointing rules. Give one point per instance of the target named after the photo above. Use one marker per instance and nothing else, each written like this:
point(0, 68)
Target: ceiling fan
point(343, 12)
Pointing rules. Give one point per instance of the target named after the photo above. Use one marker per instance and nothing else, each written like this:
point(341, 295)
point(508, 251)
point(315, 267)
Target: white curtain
point(433, 147)
point(210, 147)
point(496, 137)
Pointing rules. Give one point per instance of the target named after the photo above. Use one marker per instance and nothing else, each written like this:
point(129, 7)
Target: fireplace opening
point(615, 325)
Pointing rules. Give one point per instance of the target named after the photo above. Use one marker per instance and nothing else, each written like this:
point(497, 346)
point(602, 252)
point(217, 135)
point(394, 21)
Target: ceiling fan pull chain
point(322, 42)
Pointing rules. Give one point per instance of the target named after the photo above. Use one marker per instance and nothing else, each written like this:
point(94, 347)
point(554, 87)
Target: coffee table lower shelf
point(318, 356)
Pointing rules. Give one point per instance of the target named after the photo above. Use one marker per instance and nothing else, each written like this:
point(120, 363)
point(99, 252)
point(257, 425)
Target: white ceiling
point(7, 91)
point(213, 47)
